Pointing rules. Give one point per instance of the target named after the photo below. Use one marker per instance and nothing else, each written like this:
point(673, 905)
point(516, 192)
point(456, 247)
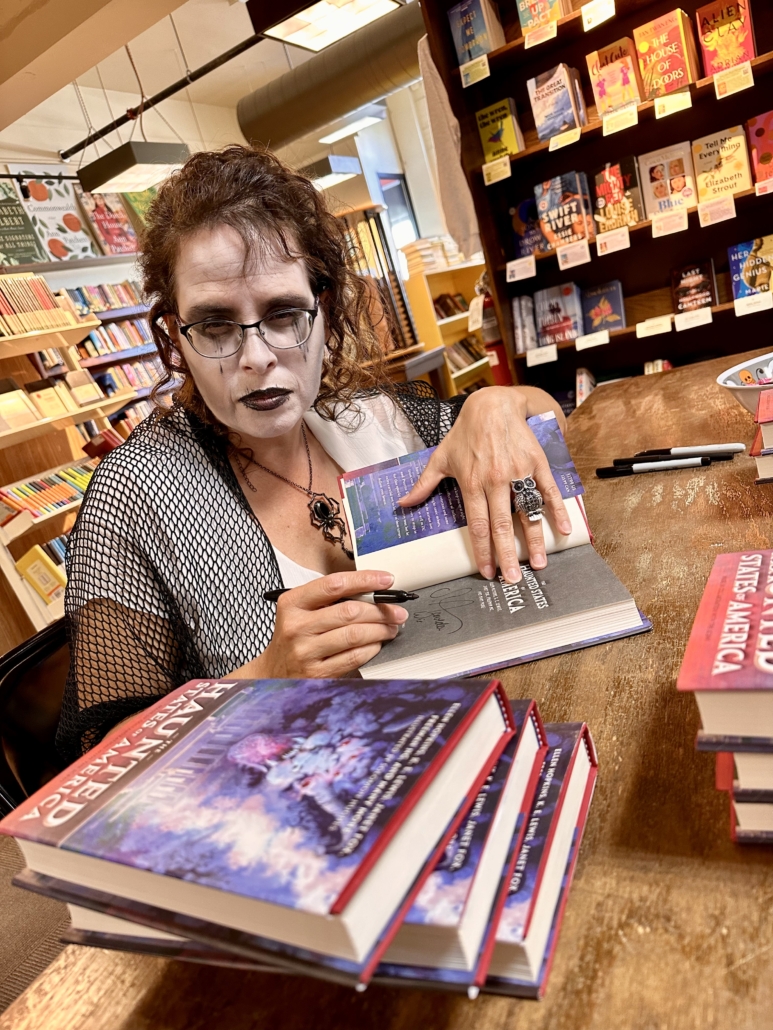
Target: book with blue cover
point(527, 234)
point(300, 817)
point(475, 28)
point(564, 209)
point(751, 265)
point(603, 307)
point(554, 102)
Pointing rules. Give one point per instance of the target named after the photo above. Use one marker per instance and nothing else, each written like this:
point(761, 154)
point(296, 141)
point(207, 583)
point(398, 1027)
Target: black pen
point(616, 471)
point(708, 450)
point(377, 597)
point(639, 458)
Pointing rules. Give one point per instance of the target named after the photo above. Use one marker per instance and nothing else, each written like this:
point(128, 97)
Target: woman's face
point(258, 392)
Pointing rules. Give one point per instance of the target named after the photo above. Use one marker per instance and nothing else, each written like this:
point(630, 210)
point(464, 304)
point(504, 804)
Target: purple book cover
point(379, 522)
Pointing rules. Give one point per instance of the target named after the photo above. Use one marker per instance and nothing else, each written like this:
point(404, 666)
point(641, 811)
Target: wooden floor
point(669, 925)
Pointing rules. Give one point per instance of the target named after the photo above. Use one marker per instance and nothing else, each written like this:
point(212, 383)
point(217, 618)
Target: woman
point(232, 492)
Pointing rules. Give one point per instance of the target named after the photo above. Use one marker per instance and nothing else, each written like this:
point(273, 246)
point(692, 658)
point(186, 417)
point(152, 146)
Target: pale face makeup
point(258, 392)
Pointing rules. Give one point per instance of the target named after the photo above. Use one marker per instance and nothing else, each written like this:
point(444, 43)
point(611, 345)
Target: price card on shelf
point(764, 187)
point(692, 319)
point(474, 71)
point(733, 80)
point(521, 268)
point(615, 239)
point(619, 120)
point(664, 223)
point(540, 35)
point(596, 12)
point(673, 102)
point(719, 209)
point(563, 139)
point(542, 355)
point(757, 302)
point(475, 314)
point(654, 326)
point(592, 340)
point(494, 171)
point(572, 254)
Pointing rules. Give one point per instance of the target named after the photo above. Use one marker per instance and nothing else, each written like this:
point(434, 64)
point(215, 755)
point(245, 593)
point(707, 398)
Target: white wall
point(407, 114)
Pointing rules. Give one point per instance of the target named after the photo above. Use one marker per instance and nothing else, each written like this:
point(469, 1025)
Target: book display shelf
point(643, 268)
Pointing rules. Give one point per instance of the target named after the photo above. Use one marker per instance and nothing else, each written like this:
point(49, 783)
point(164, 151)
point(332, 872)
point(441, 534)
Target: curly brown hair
point(267, 203)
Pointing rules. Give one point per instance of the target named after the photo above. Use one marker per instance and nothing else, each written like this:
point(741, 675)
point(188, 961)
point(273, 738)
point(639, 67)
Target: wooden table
point(669, 925)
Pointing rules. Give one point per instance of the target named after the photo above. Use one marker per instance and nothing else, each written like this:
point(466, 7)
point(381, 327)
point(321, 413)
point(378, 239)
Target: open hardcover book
point(461, 622)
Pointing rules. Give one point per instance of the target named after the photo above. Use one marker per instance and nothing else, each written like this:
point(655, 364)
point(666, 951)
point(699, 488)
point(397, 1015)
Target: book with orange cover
point(615, 77)
point(668, 59)
point(726, 34)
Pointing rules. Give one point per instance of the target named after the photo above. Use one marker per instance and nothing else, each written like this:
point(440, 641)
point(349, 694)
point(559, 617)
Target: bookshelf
point(29, 343)
point(644, 269)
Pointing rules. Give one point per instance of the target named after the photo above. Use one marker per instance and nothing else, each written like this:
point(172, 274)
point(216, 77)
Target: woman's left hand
point(489, 445)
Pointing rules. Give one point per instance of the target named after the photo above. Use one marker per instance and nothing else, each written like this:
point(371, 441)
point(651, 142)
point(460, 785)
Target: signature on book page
point(444, 607)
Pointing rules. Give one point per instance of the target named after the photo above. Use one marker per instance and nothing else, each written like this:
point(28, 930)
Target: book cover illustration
point(527, 234)
point(694, 286)
point(564, 210)
point(726, 34)
point(553, 105)
point(614, 76)
point(618, 195)
point(53, 211)
point(666, 52)
point(721, 163)
point(109, 221)
point(603, 307)
point(499, 132)
point(533, 14)
point(558, 314)
point(750, 266)
point(729, 646)
point(668, 179)
point(18, 241)
point(138, 204)
point(475, 29)
point(284, 790)
point(760, 135)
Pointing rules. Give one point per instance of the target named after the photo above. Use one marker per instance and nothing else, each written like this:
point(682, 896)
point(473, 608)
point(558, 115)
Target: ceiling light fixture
point(133, 167)
point(328, 21)
point(331, 170)
point(351, 128)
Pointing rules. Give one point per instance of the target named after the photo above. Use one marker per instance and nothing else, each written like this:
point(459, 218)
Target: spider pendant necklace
point(324, 511)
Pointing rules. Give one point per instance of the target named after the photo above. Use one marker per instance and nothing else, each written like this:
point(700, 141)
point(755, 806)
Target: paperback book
point(726, 34)
point(618, 195)
point(500, 133)
point(603, 307)
point(475, 28)
point(694, 286)
point(527, 234)
point(760, 135)
point(53, 210)
point(614, 76)
point(564, 209)
point(554, 102)
point(137, 206)
point(721, 164)
point(668, 179)
point(18, 243)
point(668, 59)
point(524, 328)
point(751, 265)
point(535, 14)
point(558, 314)
point(109, 222)
point(288, 818)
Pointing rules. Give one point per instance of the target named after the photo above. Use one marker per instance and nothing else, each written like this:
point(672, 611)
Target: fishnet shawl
point(167, 566)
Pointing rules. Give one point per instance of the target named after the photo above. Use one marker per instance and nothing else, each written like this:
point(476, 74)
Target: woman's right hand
point(316, 638)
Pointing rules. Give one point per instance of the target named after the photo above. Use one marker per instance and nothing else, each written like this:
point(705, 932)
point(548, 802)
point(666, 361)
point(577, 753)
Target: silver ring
point(528, 499)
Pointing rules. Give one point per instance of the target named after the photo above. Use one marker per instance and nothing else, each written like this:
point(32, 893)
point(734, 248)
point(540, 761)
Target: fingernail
point(489, 571)
point(539, 561)
point(513, 574)
point(385, 579)
point(400, 615)
point(565, 527)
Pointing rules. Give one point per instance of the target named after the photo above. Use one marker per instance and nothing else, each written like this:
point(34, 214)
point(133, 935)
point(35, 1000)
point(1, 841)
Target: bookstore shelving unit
point(645, 268)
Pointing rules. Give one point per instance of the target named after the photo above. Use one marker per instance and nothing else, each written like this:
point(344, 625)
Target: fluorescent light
point(350, 129)
point(331, 170)
point(328, 21)
point(133, 167)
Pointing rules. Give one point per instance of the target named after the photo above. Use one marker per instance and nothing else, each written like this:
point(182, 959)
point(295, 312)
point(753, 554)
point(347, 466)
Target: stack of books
point(27, 305)
point(106, 297)
point(762, 447)
point(46, 494)
point(728, 665)
point(463, 353)
point(403, 832)
point(113, 337)
point(431, 254)
point(134, 375)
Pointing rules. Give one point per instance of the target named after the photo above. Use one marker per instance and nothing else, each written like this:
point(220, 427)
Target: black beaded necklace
point(325, 512)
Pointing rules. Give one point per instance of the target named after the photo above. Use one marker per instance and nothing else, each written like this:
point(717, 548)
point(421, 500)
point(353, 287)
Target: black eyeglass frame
point(312, 312)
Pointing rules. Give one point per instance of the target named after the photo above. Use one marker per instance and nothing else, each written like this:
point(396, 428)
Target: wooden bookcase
point(645, 268)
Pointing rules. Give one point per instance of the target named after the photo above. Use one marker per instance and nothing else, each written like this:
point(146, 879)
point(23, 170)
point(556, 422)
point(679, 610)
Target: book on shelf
point(726, 34)
point(751, 265)
point(326, 803)
point(19, 243)
point(541, 876)
point(52, 208)
point(556, 102)
point(46, 494)
point(668, 58)
point(500, 133)
point(763, 456)
point(603, 307)
point(16, 407)
point(584, 385)
point(476, 29)
point(105, 297)
point(536, 14)
point(108, 220)
point(46, 398)
point(524, 327)
point(614, 76)
point(137, 206)
point(27, 305)
point(558, 314)
point(694, 286)
point(527, 234)
point(618, 195)
point(759, 131)
point(658, 365)
point(721, 163)
point(82, 387)
point(668, 179)
point(47, 578)
point(564, 209)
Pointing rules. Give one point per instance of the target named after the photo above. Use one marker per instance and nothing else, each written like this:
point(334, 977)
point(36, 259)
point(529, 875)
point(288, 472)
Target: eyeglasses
point(285, 329)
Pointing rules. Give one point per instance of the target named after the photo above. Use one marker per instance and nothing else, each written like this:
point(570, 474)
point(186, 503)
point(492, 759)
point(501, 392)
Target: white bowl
point(747, 396)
